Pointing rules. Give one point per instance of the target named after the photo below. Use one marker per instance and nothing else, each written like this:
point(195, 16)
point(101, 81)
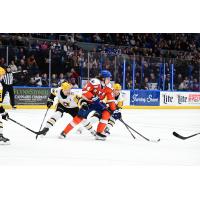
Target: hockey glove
point(97, 105)
point(117, 114)
point(84, 105)
point(49, 103)
point(5, 116)
point(2, 110)
point(95, 100)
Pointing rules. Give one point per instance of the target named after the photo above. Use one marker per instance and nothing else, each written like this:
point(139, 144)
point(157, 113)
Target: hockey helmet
point(117, 86)
point(66, 86)
point(2, 71)
point(105, 74)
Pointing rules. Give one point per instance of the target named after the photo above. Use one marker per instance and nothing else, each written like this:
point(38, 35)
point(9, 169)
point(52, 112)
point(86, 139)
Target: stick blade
point(179, 136)
point(155, 141)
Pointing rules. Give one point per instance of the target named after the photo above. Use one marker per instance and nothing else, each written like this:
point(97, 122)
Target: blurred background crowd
point(42, 59)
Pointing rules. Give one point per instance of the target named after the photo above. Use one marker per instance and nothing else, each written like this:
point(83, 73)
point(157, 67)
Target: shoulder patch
point(95, 81)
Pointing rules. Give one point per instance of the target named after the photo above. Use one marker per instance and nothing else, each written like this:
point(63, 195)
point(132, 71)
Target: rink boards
point(35, 98)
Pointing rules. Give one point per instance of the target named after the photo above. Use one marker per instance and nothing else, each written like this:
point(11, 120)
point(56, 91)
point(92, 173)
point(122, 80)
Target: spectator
point(195, 85)
point(61, 79)
point(145, 84)
point(74, 74)
point(2, 62)
point(44, 46)
point(32, 82)
point(184, 85)
point(56, 45)
point(45, 81)
point(73, 82)
point(38, 80)
point(13, 66)
point(54, 80)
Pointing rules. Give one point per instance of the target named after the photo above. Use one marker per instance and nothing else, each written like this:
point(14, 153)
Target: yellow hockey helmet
point(117, 86)
point(66, 86)
point(2, 71)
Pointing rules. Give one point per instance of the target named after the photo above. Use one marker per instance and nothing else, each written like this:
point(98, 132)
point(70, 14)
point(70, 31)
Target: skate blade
point(100, 138)
point(61, 137)
point(4, 143)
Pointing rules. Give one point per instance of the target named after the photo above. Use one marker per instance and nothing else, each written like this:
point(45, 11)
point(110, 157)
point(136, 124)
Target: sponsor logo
point(167, 99)
point(194, 98)
point(148, 99)
point(182, 99)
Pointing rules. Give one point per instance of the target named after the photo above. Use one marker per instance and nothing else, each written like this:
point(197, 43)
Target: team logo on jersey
point(95, 90)
point(66, 104)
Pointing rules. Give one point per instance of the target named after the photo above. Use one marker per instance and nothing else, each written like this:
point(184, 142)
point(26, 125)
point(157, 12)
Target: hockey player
point(67, 103)
point(119, 102)
point(93, 93)
point(4, 115)
point(96, 116)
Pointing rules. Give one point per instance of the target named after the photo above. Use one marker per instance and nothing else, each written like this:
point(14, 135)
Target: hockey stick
point(150, 140)
point(182, 137)
point(22, 125)
point(127, 128)
point(42, 122)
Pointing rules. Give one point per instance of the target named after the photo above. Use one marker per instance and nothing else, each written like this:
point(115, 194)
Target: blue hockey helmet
point(105, 74)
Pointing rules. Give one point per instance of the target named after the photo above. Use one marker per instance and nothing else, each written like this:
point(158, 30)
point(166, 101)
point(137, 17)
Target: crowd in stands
point(29, 58)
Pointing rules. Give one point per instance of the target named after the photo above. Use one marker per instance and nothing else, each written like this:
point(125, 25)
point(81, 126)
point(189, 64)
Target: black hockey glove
point(117, 114)
point(5, 116)
point(2, 110)
point(49, 103)
point(84, 106)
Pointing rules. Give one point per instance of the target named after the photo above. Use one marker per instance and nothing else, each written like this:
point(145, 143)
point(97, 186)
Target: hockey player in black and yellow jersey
point(119, 99)
point(3, 114)
point(67, 103)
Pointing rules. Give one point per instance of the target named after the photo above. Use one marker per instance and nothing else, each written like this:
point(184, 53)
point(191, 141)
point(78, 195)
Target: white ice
point(119, 148)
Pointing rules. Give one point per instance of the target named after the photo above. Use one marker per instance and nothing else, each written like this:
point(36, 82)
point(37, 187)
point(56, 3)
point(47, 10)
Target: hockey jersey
point(69, 101)
point(91, 89)
point(107, 93)
point(119, 100)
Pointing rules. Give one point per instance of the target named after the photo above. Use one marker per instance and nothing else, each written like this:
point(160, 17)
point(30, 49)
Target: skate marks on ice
point(119, 148)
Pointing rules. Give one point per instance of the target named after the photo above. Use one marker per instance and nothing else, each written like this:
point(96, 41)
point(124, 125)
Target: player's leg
point(111, 123)
point(53, 119)
point(76, 120)
point(12, 97)
point(81, 115)
point(3, 140)
point(88, 124)
point(51, 122)
point(100, 135)
point(4, 93)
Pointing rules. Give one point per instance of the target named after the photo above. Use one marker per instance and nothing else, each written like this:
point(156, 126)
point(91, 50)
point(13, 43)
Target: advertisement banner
point(126, 97)
point(31, 96)
point(145, 97)
point(180, 98)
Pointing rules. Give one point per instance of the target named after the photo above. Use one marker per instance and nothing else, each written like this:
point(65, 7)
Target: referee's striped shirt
point(8, 78)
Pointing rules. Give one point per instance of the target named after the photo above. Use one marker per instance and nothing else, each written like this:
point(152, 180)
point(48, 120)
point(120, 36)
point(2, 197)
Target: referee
point(7, 84)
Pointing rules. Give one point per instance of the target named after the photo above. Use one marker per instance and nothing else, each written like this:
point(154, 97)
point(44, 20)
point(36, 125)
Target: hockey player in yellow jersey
point(3, 114)
point(119, 102)
point(67, 103)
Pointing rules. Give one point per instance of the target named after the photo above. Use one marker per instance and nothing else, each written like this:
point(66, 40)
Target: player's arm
point(120, 104)
point(76, 98)
point(87, 92)
point(110, 100)
point(50, 100)
point(112, 105)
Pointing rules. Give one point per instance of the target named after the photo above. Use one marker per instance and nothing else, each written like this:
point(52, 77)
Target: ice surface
point(119, 148)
